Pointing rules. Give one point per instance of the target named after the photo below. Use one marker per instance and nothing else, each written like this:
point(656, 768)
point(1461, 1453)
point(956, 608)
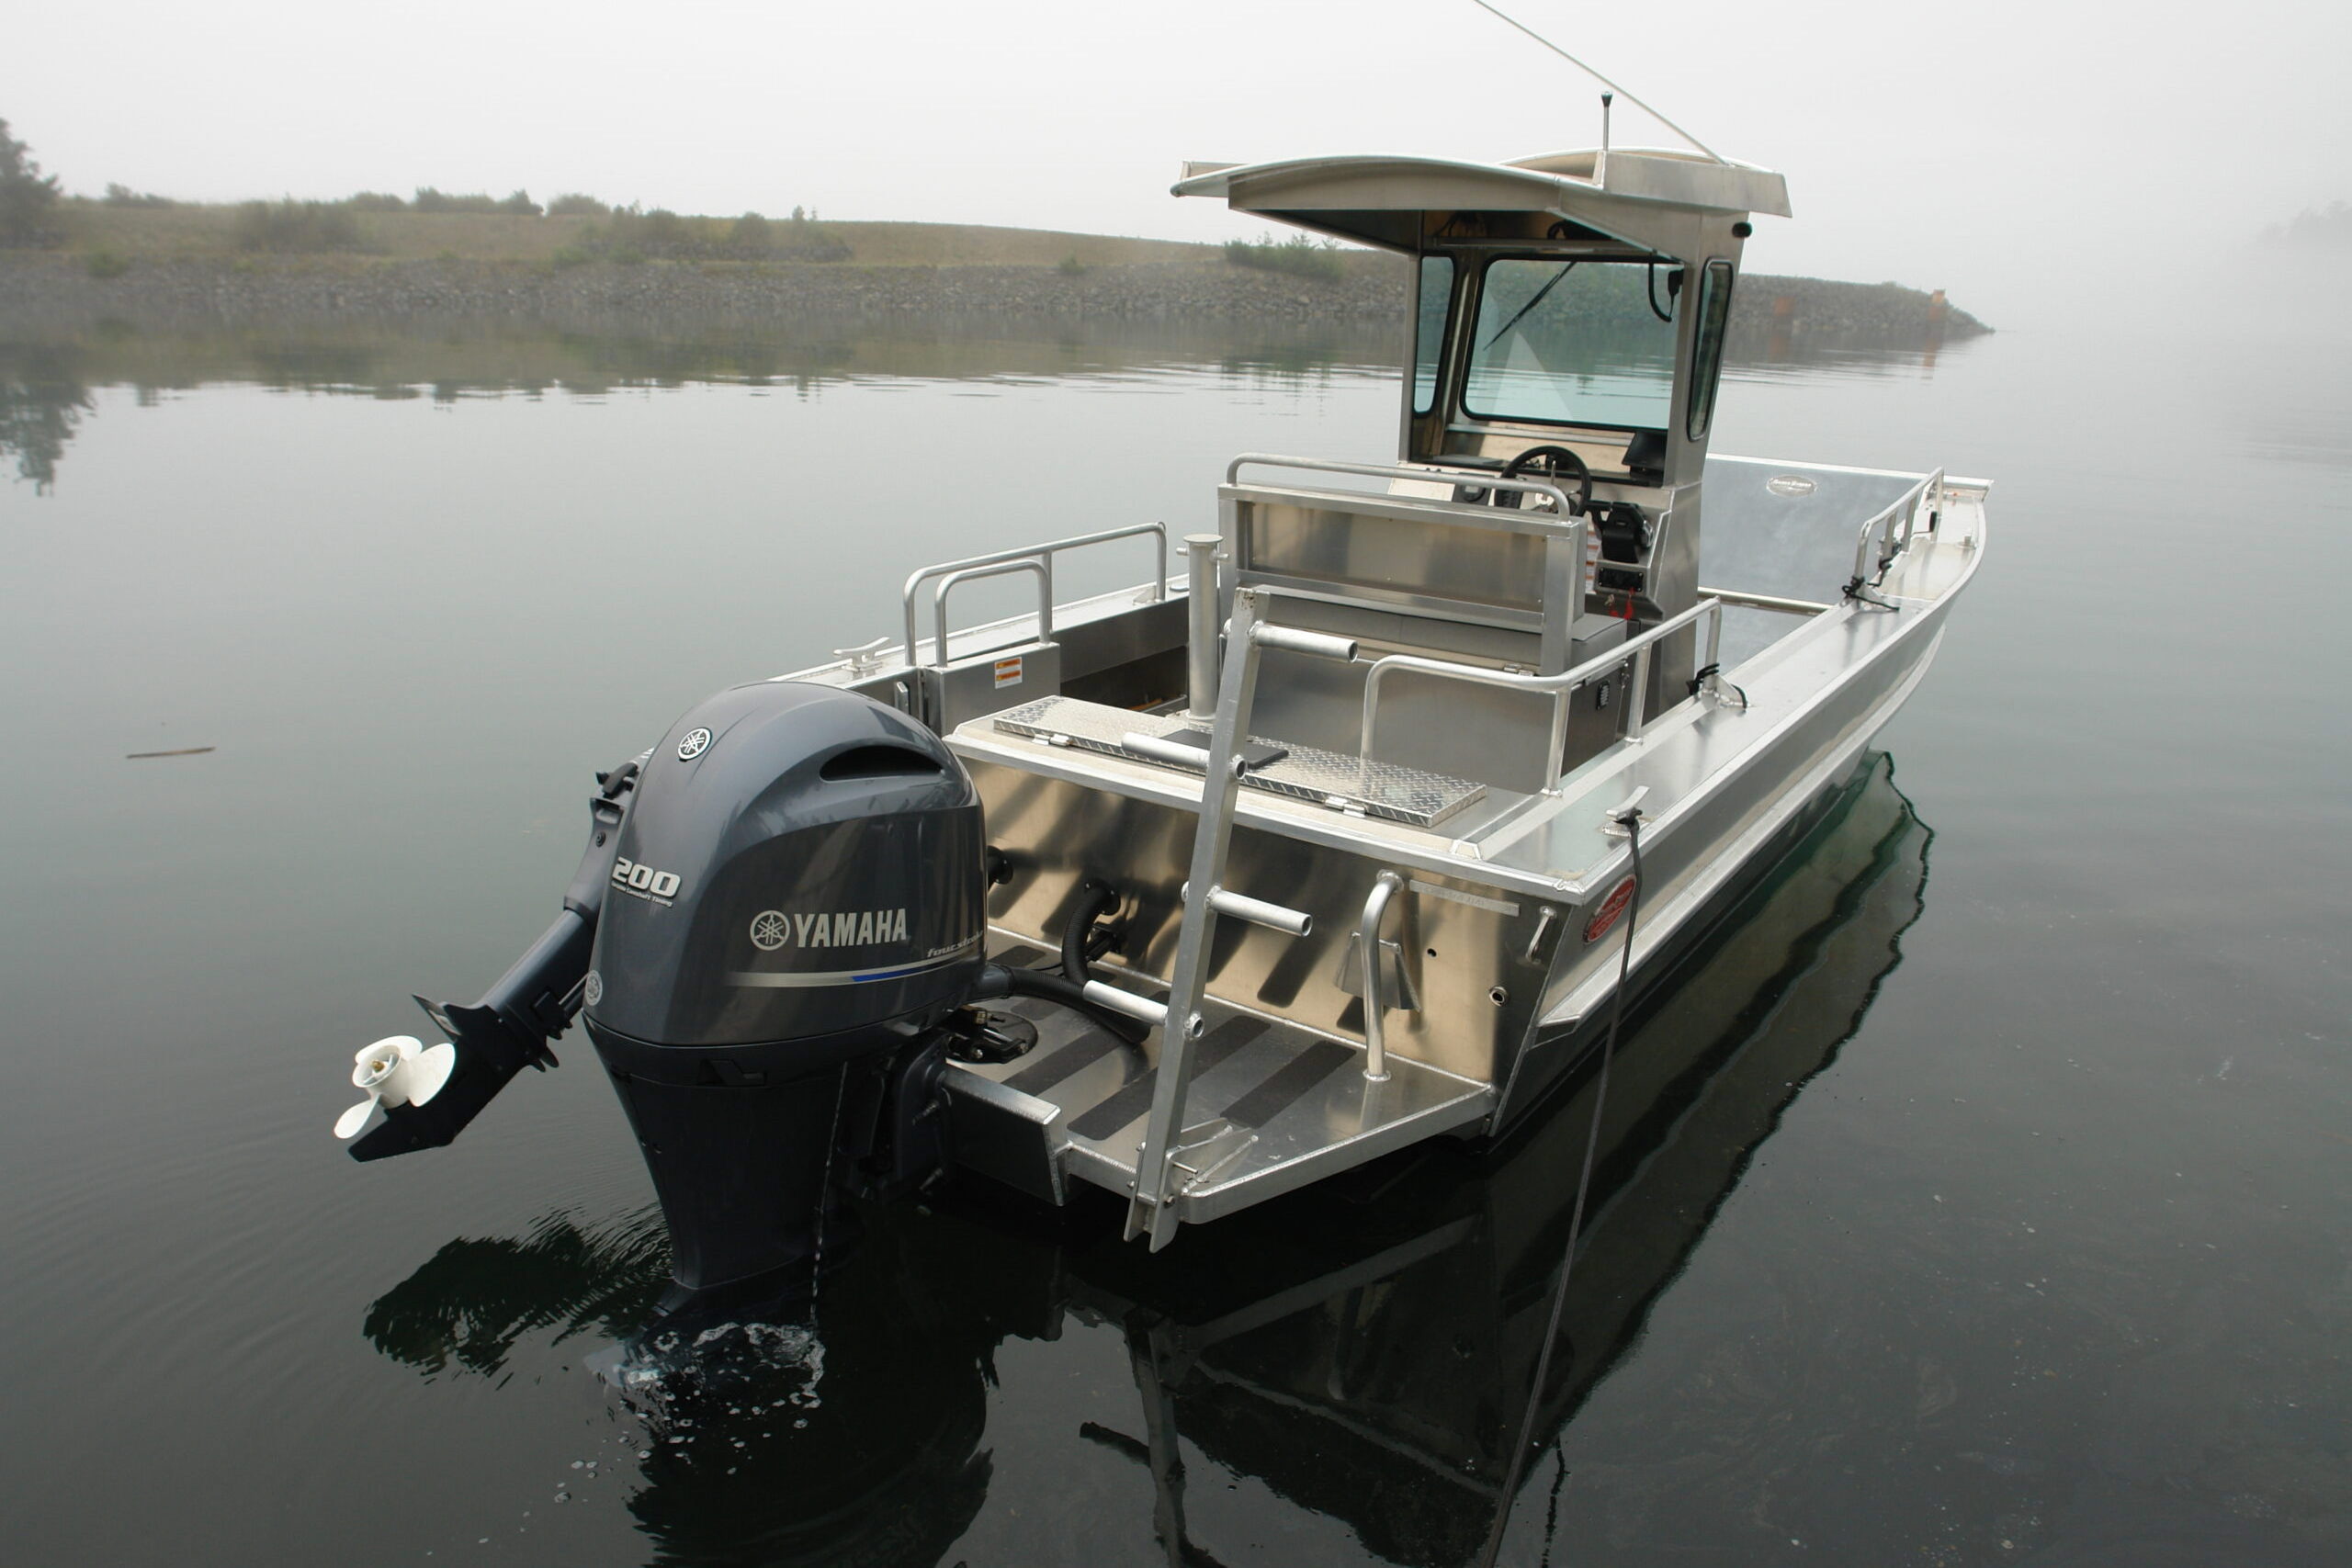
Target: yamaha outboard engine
point(798, 898)
point(776, 934)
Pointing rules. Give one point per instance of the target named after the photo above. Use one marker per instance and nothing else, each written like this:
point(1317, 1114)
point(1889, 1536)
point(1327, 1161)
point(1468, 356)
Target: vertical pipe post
point(1375, 1000)
point(1199, 552)
point(1637, 698)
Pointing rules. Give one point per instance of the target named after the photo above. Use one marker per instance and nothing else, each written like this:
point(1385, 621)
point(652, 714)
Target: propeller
point(399, 1071)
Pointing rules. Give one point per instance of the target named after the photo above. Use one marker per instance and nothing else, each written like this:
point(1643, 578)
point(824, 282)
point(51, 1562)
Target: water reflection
point(1361, 1349)
point(43, 397)
point(46, 381)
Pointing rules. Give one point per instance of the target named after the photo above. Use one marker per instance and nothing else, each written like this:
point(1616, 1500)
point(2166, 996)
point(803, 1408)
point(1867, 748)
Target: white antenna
point(1604, 81)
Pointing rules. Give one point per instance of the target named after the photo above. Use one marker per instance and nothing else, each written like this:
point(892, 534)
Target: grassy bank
point(190, 232)
point(181, 267)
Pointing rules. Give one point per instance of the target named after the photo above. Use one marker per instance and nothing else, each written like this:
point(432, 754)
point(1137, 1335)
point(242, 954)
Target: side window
point(1429, 330)
point(1707, 357)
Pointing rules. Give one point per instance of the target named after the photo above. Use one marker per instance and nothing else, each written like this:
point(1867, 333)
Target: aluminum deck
point(1272, 1107)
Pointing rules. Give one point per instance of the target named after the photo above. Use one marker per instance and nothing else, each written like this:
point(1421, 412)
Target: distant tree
point(521, 205)
point(121, 194)
point(576, 204)
point(750, 238)
point(27, 196)
point(2317, 229)
point(376, 201)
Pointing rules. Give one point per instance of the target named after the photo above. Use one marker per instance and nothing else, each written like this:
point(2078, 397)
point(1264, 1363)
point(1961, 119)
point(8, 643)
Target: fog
point(1997, 150)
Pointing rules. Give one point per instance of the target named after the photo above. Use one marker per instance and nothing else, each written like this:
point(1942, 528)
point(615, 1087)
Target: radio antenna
point(1604, 81)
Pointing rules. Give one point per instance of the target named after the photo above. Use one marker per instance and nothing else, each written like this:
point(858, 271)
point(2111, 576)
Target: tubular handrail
point(1390, 471)
point(1882, 526)
point(1044, 555)
point(1003, 568)
point(1559, 687)
point(1738, 600)
point(1385, 887)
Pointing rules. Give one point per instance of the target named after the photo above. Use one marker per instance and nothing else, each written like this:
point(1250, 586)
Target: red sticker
point(1610, 908)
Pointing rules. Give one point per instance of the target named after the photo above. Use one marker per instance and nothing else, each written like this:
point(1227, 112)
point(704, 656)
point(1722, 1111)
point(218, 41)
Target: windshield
point(1573, 342)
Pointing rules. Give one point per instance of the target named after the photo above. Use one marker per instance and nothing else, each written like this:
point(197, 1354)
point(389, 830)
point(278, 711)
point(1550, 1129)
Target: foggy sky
point(1995, 149)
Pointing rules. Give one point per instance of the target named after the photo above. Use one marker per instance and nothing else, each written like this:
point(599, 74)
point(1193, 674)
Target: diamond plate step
point(1386, 790)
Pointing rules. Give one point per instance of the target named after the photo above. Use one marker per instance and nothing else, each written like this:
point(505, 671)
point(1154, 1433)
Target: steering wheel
point(1558, 463)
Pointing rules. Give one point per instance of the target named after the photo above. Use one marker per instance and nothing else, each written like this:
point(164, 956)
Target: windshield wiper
point(1566, 268)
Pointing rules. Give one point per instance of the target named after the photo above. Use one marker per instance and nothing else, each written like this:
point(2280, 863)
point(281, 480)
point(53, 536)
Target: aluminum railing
point(1028, 557)
point(1390, 471)
point(1903, 514)
point(1561, 688)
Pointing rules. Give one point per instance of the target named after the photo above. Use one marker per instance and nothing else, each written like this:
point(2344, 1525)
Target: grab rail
point(1882, 526)
point(1390, 471)
point(1042, 555)
point(972, 573)
point(1385, 887)
point(1560, 687)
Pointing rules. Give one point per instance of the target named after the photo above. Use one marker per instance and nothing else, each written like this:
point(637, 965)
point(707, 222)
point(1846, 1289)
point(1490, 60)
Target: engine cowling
point(799, 861)
point(799, 894)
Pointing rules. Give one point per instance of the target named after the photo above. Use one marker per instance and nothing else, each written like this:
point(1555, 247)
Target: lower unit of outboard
point(797, 905)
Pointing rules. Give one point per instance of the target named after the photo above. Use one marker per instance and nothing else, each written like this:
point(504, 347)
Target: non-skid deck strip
point(1281, 1091)
point(1134, 1099)
point(1067, 1062)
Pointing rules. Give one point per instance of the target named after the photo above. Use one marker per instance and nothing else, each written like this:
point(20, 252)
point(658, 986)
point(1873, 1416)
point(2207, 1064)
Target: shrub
point(520, 205)
point(295, 227)
point(376, 201)
point(106, 264)
point(1070, 267)
point(573, 203)
point(431, 200)
point(750, 239)
point(572, 255)
point(1296, 257)
point(123, 195)
point(27, 196)
point(630, 236)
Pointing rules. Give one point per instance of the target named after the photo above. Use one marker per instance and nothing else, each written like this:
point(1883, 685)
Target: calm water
point(1980, 1198)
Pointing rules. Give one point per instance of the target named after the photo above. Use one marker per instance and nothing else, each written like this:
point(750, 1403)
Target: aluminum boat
point(1339, 832)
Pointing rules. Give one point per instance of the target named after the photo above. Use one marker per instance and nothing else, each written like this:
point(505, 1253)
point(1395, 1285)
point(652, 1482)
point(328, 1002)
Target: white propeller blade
point(399, 1071)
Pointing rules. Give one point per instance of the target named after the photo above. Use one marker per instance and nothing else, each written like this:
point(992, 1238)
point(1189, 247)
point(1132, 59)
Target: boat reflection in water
point(1362, 1347)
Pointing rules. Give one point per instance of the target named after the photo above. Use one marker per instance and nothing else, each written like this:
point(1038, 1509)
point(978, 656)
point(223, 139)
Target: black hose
point(1095, 899)
point(997, 980)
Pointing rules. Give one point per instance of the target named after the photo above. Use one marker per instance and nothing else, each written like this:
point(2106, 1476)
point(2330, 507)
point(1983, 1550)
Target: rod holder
point(1201, 650)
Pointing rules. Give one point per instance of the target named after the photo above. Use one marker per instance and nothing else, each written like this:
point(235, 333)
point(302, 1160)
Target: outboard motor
point(798, 898)
point(777, 934)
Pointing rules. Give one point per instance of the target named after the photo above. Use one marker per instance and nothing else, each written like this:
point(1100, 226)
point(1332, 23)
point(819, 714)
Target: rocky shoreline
point(48, 294)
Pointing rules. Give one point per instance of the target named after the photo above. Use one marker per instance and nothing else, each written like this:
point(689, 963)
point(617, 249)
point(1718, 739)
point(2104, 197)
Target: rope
point(1632, 822)
point(1861, 594)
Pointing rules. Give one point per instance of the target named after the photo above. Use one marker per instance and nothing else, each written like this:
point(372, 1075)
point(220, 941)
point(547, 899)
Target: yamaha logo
point(697, 742)
point(593, 991)
point(773, 928)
